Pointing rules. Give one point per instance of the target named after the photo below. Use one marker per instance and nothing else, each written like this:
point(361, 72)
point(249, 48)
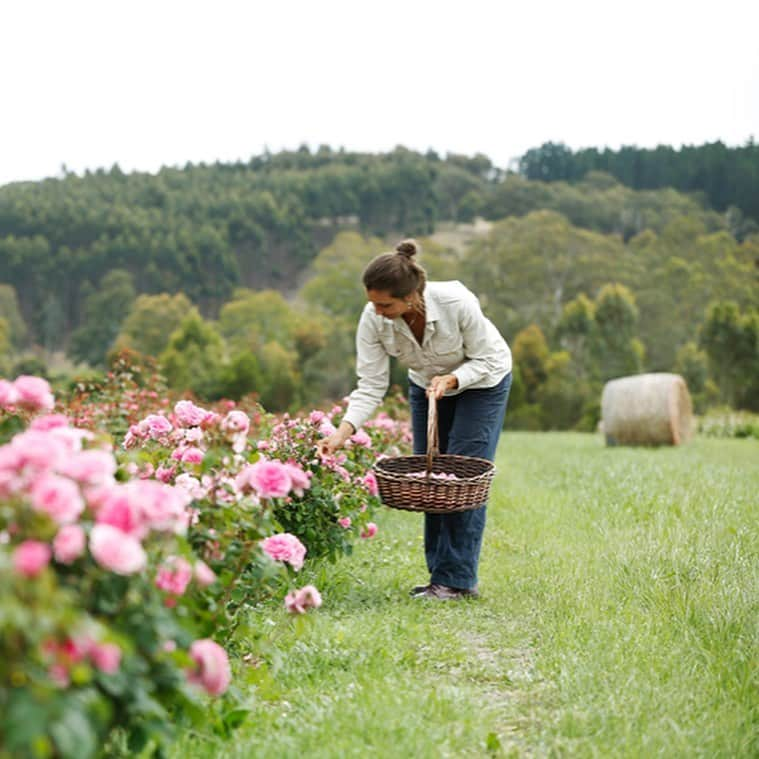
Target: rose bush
point(109, 598)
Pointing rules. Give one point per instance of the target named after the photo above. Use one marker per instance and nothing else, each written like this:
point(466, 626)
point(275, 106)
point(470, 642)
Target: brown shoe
point(419, 589)
point(446, 593)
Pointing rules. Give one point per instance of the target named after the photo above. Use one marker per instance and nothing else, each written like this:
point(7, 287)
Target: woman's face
point(386, 305)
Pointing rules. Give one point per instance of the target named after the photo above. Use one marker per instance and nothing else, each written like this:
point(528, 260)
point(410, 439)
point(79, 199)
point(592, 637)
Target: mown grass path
point(619, 618)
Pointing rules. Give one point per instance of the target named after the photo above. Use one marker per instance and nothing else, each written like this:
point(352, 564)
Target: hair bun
point(407, 248)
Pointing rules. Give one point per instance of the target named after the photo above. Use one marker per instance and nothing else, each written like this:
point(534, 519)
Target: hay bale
point(647, 409)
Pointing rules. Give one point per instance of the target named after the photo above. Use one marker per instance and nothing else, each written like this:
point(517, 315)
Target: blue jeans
point(469, 424)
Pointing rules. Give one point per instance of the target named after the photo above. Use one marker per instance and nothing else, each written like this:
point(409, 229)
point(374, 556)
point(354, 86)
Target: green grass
point(619, 618)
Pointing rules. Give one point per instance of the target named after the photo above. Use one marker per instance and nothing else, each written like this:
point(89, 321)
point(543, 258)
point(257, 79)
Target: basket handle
point(432, 438)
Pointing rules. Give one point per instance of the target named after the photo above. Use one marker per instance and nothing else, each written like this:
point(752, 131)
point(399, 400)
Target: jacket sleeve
point(485, 351)
point(373, 370)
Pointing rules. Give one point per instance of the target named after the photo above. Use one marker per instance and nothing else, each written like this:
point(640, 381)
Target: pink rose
point(58, 497)
point(116, 550)
point(118, 510)
point(91, 467)
point(69, 543)
point(204, 575)
point(164, 474)
point(192, 456)
point(316, 417)
point(161, 507)
point(370, 482)
point(8, 394)
point(31, 557)
point(191, 485)
point(106, 657)
point(370, 531)
point(300, 480)
point(361, 438)
point(154, 426)
point(308, 597)
point(49, 422)
point(270, 479)
point(38, 450)
point(188, 414)
point(326, 428)
point(285, 547)
point(213, 672)
point(344, 522)
point(174, 576)
point(236, 421)
point(34, 393)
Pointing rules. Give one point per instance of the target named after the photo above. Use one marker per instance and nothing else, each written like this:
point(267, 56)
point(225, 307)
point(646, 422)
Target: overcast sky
point(146, 84)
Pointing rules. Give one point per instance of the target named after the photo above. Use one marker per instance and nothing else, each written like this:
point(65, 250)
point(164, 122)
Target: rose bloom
point(106, 657)
point(285, 547)
point(58, 497)
point(31, 557)
point(49, 422)
point(69, 544)
point(370, 531)
point(8, 394)
point(236, 421)
point(188, 414)
point(192, 456)
point(174, 576)
point(91, 467)
point(213, 672)
point(204, 575)
point(308, 597)
point(117, 551)
point(34, 393)
point(164, 474)
point(370, 481)
point(270, 479)
point(300, 480)
point(154, 426)
point(344, 522)
point(361, 438)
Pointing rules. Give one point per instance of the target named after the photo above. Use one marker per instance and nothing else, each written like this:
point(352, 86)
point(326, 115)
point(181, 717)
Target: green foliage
point(335, 286)
point(9, 311)
point(151, 321)
point(103, 310)
point(726, 176)
point(618, 351)
point(193, 356)
point(730, 338)
point(252, 319)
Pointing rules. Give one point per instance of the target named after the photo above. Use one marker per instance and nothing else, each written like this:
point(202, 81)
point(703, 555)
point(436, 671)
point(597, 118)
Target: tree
point(252, 319)
point(618, 350)
point(9, 310)
point(531, 354)
point(151, 321)
point(731, 340)
point(193, 357)
point(104, 310)
point(335, 285)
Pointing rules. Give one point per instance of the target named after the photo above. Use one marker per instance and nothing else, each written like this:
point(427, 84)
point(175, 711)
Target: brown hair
point(396, 272)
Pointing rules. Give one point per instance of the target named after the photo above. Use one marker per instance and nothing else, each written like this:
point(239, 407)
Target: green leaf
point(74, 735)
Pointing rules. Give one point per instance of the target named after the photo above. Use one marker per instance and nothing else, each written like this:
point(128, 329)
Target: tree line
point(246, 277)
point(728, 177)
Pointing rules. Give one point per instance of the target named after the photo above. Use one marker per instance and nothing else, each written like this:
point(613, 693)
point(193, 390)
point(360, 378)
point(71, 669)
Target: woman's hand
point(440, 384)
point(329, 445)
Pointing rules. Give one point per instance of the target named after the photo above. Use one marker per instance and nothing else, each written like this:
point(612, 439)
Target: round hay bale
point(647, 409)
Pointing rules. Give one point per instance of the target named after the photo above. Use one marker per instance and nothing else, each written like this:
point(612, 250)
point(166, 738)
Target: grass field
point(619, 618)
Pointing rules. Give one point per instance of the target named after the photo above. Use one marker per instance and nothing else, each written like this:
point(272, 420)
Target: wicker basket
point(402, 487)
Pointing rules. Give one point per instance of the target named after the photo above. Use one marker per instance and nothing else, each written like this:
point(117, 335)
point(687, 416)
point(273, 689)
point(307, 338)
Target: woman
point(454, 354)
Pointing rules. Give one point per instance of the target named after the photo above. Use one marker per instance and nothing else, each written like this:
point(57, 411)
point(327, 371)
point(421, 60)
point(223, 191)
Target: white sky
point(146, 84)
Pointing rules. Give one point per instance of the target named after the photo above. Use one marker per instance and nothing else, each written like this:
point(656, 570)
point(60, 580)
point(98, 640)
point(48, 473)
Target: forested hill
point(726, 176)
point(206, 229)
